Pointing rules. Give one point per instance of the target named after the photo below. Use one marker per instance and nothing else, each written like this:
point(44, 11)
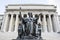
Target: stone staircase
point(13, 36)
point(28, 38)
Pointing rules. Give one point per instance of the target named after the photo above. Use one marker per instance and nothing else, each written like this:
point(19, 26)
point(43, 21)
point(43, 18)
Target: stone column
point(27, 15)
point(2, 28)
point(21, 19)
point(44, 23)
point(33, 16)
point(16, 23)
point(56, 23)
point(57, 27)
point(39, 20)
point(11, 23)
point(5, 23)
point(50, 24)
point(22, 15)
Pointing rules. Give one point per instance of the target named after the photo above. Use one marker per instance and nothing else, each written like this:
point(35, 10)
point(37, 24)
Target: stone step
point(28, 39)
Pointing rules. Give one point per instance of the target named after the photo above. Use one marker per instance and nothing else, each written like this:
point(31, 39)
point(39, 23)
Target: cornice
point(29, 5)
point(30, 10)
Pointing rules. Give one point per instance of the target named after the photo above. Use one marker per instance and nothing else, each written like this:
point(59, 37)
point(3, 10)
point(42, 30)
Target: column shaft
point(50, 24)
point(27, 15)
point(56, 23)
point(39, 20)
point(33, 16)
point(16, 23)
point(5, 23)
point(57, 27)
point(11, 23)
point(44, 23)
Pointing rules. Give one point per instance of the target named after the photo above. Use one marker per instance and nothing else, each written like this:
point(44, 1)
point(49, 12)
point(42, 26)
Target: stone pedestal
point(28, 38)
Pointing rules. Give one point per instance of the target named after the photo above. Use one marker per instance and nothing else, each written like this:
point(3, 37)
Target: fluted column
point(21, 19)
point(33, 15)
point(22, 15)
point(11, 23)
point(2, 28)
point(56, 23)
point(16, 23)
point(5, 23)
point(57, 27)
point(44, 23)
point(39, 20)
point(27, 15)
point(50, 24)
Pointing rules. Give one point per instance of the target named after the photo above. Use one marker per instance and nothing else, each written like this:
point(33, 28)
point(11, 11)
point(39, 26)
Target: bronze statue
point(28, 26)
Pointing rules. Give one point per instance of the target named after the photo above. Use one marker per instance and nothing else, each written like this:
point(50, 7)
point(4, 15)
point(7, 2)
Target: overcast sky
point(3, 3)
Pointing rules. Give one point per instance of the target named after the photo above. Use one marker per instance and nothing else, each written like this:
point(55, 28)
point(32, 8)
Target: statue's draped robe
point(29, 23)
point(28, 27)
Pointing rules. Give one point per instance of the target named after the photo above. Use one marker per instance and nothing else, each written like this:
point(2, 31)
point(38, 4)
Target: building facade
point(48, 17)
point(1, 20)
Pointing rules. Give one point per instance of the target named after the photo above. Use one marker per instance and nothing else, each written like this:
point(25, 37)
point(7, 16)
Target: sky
point(3, 3)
